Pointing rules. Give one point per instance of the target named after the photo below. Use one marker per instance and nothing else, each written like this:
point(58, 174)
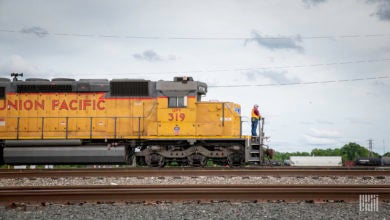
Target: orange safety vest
point(254, 115)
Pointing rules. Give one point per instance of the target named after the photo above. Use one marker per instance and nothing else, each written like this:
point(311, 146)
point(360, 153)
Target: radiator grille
point(43, 88)
point(129, 88)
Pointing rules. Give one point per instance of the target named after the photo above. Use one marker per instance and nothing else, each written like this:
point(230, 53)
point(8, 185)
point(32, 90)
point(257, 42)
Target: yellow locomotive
point(98, 121)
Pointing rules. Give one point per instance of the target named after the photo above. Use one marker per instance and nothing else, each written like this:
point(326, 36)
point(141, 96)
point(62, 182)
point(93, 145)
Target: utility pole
point(370, 147)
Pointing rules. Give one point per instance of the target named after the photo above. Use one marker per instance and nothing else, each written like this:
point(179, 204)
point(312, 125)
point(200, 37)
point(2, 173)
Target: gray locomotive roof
point(36, 80)
point(161, 87)
point(94, 80)
point(4, 80)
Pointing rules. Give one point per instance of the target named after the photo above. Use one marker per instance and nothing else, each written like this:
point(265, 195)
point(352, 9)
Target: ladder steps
point(254, 159)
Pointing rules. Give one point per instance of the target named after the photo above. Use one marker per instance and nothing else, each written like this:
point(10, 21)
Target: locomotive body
point(94, 121)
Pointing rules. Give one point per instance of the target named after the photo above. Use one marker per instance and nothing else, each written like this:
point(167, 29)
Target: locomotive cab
point(192, 131)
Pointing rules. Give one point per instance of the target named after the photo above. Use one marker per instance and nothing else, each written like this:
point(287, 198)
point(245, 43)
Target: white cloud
point(322, 137)
point(280, 77)
point(310, 3)
point(362, 121)
point(39, 31)
point(310, 140)
point(152, 56)
point(323, 133)
point(277, 42)
point(382, 10)
point(17, 63)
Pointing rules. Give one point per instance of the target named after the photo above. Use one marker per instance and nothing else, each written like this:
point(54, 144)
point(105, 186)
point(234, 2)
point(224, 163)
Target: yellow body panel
point(92, 116)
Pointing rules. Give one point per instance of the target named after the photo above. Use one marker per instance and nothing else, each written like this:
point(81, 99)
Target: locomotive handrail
point(241, 123)
point(261, 130)
point(151, 110)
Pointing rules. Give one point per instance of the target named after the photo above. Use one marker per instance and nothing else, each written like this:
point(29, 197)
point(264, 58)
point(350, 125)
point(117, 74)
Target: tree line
point(349, 152)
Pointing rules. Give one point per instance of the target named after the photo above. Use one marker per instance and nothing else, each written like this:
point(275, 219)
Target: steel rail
point(202, 193)
point(115, 172)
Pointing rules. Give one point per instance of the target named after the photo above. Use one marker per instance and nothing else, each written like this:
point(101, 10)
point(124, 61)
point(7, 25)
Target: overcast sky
point(319, 69)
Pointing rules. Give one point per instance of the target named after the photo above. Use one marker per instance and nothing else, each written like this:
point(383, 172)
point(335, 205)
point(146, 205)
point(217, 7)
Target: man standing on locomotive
point(255, 119)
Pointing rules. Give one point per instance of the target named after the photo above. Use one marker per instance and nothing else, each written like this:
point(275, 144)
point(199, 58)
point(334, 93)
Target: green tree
point(352, 151)
point(349, 151)
point(326, 152)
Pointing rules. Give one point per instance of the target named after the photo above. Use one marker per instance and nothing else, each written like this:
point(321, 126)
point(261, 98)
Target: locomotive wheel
point(235, 159)
point(155, 160)
point(197, 160)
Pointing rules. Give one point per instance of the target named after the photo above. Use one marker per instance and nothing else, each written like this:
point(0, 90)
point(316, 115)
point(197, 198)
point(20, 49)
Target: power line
point(260, 68)
point(302, 83)
point(257, 68)
point(43, 32)
point(244, 69)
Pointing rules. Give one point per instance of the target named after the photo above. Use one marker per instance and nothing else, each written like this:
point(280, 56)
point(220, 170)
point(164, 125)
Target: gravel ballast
point(193, 180)
point(196, 211)
point(218, 210)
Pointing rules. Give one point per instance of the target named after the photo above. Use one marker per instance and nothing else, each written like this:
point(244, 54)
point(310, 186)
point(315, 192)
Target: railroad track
point(121, 172)
point(193, 193)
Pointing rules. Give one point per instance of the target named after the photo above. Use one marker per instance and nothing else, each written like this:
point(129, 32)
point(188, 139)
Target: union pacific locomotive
point(120, 121)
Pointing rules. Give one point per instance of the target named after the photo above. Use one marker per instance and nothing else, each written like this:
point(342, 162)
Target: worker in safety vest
point(255, 116)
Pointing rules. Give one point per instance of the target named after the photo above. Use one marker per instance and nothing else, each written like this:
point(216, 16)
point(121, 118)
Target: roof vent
point(63, 79)
point(182, 78)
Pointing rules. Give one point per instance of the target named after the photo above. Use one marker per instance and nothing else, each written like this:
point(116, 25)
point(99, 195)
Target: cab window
point(177, 101)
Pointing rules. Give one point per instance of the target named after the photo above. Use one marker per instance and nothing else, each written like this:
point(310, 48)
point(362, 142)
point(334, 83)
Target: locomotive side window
point(2, 92)
point(177, 101)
